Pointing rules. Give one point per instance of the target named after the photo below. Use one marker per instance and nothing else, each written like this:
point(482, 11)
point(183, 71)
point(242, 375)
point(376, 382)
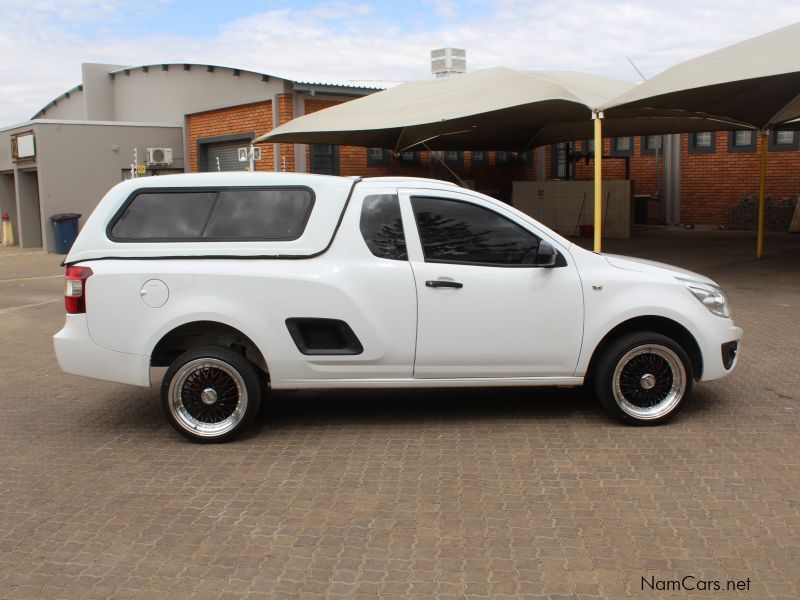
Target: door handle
point(443, 283)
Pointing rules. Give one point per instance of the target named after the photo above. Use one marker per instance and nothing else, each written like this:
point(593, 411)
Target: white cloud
point(78, 10)
point(355, 40)
point(443, 8)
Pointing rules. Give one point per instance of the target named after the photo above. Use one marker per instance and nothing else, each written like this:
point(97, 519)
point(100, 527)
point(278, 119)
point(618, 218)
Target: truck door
point(484, 310)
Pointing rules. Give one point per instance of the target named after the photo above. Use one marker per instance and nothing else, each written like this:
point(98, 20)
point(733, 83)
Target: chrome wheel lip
point(673, 396)
point(182, 415)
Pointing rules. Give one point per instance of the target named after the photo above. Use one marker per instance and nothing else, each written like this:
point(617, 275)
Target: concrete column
point(276, 148)
point(185, 142)
point(300, 149)
point(672, 178)
point(28, 212)
point(98, 91)
point(541, 157)
point(8, 201)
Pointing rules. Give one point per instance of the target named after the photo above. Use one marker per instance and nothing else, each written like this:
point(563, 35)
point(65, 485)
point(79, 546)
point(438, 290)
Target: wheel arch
point(663, 325)
point(204, 333)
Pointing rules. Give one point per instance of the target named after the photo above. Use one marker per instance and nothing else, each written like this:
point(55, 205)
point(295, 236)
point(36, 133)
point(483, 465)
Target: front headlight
point(711, 296)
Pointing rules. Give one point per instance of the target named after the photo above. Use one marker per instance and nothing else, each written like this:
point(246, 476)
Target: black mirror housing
point(547, 256)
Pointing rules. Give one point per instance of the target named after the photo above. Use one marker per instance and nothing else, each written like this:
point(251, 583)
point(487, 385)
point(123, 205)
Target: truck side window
point(260, 215)
point(382, 227)
point(159, 216)
point(264, 214)
point(453, 231)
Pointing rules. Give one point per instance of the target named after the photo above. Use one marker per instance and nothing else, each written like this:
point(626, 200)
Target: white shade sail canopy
point(496, 108)
point(756, 82)
point(491, 109)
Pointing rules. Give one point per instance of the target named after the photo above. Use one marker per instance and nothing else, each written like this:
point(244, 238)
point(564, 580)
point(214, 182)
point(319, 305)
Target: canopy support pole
point(432, 155)
point(763, 135)
point(598, 180)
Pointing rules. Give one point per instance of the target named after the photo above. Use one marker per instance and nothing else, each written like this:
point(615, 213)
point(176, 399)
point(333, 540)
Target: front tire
point(210, 394)
point(643, 378)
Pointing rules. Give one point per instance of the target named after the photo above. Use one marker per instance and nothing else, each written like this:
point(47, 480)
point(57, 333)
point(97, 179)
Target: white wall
point(166, 96)
point(73, 108)
point(78, 163)
point(565, 205)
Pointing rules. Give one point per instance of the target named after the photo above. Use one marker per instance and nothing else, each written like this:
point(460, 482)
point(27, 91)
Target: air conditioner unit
point(159, 156)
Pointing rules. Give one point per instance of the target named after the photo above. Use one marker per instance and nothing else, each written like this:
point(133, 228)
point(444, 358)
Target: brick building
point(715, 170)
point(199, 117)
point(123, 121)
point(711, 173)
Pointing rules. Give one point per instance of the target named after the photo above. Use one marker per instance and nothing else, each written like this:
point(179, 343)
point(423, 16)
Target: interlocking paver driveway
point(449, 494)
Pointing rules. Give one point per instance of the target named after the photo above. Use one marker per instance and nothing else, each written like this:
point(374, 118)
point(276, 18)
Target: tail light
point(75, 289)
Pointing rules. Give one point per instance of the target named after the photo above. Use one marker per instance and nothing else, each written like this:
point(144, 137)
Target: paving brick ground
point(473, 494)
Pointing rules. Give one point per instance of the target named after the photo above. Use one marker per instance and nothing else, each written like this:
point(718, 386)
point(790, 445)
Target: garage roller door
point(228, 154)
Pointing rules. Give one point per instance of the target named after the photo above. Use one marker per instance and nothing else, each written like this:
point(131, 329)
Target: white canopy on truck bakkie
point(326, 199)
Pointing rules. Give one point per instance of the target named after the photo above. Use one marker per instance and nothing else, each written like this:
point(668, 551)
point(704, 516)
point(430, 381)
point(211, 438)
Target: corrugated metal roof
point(304, 78)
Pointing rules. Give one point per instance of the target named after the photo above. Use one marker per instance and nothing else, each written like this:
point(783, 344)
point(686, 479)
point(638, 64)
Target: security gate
point(228, 154)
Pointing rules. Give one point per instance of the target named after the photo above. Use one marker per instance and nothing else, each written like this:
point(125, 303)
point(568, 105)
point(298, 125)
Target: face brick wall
point(713, 183)
point(227, 121)
point(352, 159)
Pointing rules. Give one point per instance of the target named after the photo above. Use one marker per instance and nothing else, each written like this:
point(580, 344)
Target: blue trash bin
point(65, 230)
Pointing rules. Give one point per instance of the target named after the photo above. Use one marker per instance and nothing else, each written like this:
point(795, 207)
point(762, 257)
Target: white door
point(484, 310)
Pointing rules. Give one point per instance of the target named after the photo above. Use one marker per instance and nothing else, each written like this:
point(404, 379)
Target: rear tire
point(210, 394)
point(643, 378)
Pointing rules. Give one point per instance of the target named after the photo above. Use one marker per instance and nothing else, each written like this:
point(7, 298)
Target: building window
point(741, 141)
point(702, 142)
point(782, 139)
point(621, 146)
point(479, 157)
point(323, 159)
point(502, 157)
point(377, 157)
point(525, 159)
point(409, 157)
point(23, 146)
point(650, 144)
point(454, 157)
point(560, 161)
point(588, 147)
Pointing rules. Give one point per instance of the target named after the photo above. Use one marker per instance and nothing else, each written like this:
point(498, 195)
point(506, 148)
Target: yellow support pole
point(762, 199)
point(598, 181)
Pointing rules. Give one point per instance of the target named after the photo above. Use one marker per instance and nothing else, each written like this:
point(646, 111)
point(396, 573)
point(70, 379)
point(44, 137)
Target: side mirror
point(547, 255)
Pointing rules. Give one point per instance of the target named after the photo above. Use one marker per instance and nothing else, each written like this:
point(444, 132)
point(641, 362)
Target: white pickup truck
point(244, 282)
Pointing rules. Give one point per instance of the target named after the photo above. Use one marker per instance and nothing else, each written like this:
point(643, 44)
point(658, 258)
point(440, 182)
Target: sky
point(44, 42)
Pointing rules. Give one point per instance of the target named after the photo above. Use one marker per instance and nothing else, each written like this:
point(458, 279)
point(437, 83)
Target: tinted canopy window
point(260, 214)
point(234, 214)
point(173, 215)
point(382, 227)
point(453, 231)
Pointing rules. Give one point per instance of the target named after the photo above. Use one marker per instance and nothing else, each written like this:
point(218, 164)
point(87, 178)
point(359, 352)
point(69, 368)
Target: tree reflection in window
point(382, 227)
point(453, 231)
